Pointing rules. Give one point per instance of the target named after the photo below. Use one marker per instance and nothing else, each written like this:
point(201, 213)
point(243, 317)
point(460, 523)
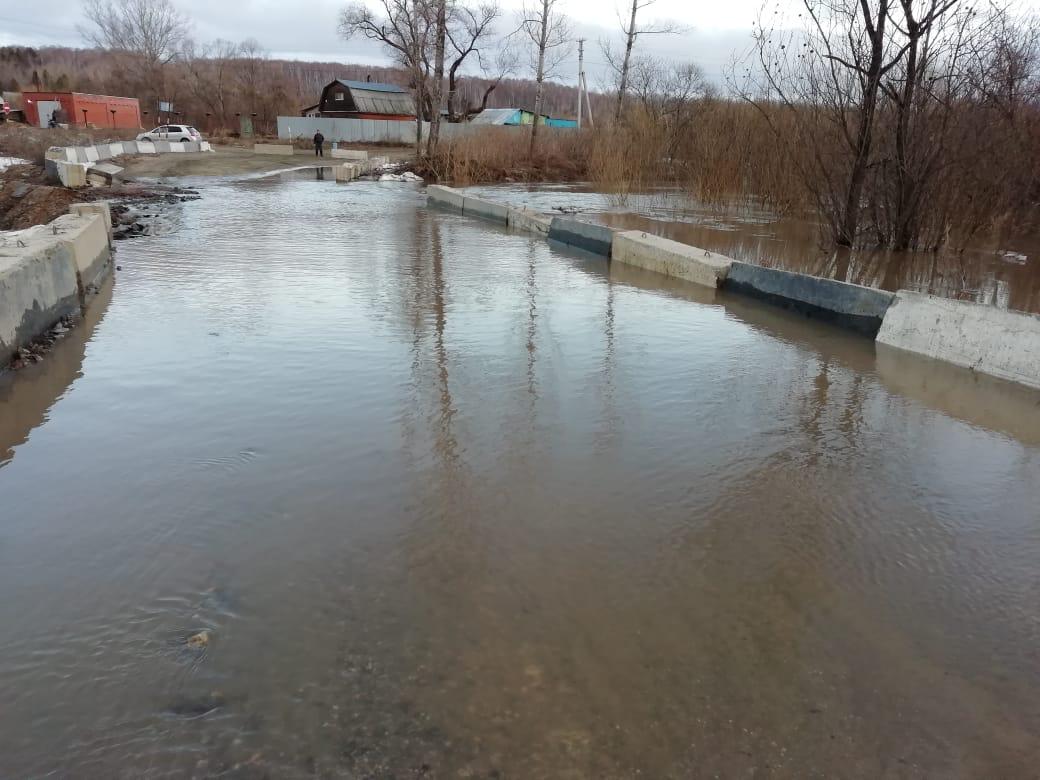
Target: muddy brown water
point(451, 502)
point(1001, 272)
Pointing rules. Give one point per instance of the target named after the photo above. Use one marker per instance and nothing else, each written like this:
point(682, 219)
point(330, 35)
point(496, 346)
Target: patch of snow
point(406, 176)
point(7, 162)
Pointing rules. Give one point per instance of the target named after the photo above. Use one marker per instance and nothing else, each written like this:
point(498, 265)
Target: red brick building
point(77, 108)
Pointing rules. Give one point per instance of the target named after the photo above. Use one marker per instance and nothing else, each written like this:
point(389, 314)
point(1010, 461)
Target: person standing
point(319, 144)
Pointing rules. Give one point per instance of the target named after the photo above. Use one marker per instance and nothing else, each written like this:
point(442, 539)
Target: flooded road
point(1003, 273)
point(446, 501)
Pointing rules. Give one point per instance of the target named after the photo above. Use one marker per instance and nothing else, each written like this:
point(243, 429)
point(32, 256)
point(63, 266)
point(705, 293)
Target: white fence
point(368, 130)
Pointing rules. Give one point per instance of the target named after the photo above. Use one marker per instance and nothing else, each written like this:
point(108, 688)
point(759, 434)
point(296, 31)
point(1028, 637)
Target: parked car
point(171, 133)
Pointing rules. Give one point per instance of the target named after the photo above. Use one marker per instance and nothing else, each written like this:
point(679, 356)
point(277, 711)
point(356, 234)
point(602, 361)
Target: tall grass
point(496, 154)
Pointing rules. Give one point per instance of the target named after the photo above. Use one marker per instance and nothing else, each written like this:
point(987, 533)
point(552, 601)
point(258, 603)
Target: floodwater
point(447, 501)
point(1004, 273)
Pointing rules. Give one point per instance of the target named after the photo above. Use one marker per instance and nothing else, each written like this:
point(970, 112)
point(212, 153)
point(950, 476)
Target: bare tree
point(468, 30)
point(440, 33)
point(632, 30)
point(210, 74)
point(404, 29)
point(152, 29)
point(550, 34)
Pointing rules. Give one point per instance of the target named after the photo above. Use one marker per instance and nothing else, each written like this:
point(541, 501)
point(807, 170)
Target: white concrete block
point(485, 209)
point(177, 146)
point(349, 154)
point(145, 147)
point(671, 258)
point(72, 175)
point(529, 221)
point(87, 238)
point(205, 146)
point(347, 172)
point(70, 154)
point(92, 153)
point(439, 195)
point(114, 150)
point(38, 286)
point(284, 149)
point(986, 339)
point(99, 207)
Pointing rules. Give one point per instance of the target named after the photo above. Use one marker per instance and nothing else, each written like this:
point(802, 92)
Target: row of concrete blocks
point(349, 171)
point(516, 218)
point(289, 150)
point(51, 271)
point(1001, 343)
point(81, 166)
point(93, 154)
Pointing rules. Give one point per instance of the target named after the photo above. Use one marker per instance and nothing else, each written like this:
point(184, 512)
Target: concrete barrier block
point(205, 146)
point(485, 209)
point(87, 238)
point(347, 172)
point(103, 173)
point(129, 147)
point(849, 305)
point(670, 258)
point(1001, 343)
point(146, 147)
point(72, 175)
point(178, 147)
point(38, 286)
point(285, 149)
point(161, 147)
point(529, 221)
point(445, 197)
point(114, 150)
point(583, 235)
point(349, 154)
point(99, 207)
point(92, 153)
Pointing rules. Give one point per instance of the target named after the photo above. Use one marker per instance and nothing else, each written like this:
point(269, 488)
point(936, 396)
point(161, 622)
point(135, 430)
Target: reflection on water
point(450, 501)
point(1004, 274)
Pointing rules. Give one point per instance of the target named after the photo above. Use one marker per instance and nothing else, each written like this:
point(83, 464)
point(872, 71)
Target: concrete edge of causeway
point(51, 271)
point(71, 166)
point(849, 305)
point(597, 239)
point(1001, 343)
point(671, 258)
point(998, 342)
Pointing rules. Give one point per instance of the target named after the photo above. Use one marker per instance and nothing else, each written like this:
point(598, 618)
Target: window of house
point(340, 96)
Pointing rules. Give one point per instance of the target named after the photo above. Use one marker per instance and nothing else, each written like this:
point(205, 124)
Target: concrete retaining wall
point(849, 305)
point(347, 172)
point(445, 197)
point(584, 235)
point(485, 209)
point(284, 149)
point(529, 221)
point(670, 258)
point(38, 286)
point(71, 165)
point(993, 341)
point(51, 271)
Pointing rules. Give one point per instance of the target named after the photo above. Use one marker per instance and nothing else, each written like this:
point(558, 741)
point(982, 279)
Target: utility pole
point(581, 74)
point(588, 103)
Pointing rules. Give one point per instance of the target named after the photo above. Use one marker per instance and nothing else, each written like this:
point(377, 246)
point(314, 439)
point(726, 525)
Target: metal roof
point(497, 116)
point(373, 101)
point(372, 86)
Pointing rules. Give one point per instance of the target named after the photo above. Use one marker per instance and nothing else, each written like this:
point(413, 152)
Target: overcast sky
point(717, 29)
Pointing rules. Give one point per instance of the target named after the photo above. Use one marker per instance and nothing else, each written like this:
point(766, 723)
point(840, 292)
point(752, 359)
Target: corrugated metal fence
point(369, 130)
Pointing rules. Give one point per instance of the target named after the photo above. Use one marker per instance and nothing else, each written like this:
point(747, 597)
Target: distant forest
point(228, 79)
